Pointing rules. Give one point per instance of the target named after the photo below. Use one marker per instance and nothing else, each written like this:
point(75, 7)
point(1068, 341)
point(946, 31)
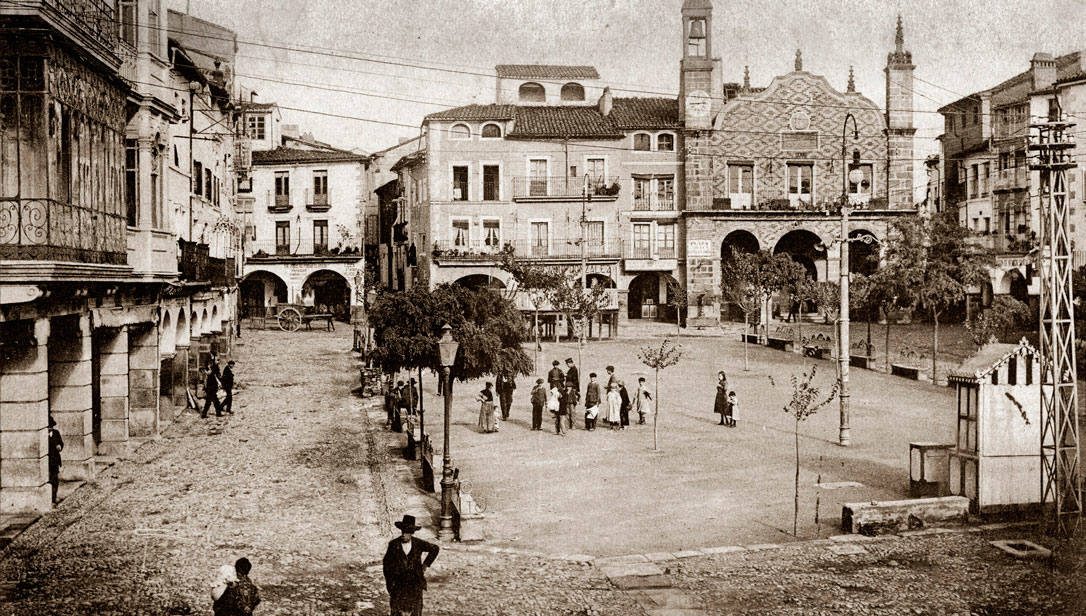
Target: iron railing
point(297, 248)
point(654, 203)
point(94, 19)
point(48, 230)
point(480, 250)
point(195, 264)
point(563, 187)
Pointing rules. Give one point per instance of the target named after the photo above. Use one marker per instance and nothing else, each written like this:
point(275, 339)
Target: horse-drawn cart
point(291, 317)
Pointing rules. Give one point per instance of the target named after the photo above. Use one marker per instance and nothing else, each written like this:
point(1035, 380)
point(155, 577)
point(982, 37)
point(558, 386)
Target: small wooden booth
point(996, 459)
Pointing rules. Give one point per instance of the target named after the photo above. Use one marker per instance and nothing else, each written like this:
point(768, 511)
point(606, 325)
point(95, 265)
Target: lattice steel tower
point(1061, 486)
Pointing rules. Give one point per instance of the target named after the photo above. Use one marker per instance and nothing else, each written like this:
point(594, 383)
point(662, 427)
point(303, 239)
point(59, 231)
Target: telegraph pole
point(1061, 483)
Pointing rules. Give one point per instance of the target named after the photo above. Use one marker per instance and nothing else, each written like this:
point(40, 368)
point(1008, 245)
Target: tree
point(579, 305)
point(658, 358)
point(936, 264)
point(827, 297)
point(1005, 313)
point(737, 285)
point(534, 280)
point(797, 283)
point(679, 298)
point(806, 401)
point(863, 295)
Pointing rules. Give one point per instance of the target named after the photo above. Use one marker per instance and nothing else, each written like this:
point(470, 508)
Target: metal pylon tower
point(1061, 486)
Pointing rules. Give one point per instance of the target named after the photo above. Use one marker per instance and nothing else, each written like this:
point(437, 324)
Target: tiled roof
point(546, 71)
point(630, 113)
point(988, 358)
point(1066, 65)
point(293, 155)
point(410, 160)
point(475, 112)
point(567, 121)
point(255, 106)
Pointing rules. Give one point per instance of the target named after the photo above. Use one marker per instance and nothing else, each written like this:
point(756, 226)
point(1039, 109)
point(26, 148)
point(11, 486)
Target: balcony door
point(537, 177)
point(320, 237)
point(282, 237)
point(800, 185)
point(540, 239)
point(642, 240)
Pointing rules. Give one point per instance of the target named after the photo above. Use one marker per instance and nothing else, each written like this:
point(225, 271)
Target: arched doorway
point(330, 292)
point(863, 252)
point(738, 241)
point(650, 298)
point(804, 248)
point(481, 281)
point(1019, 288)
point(166, 339)
point(259, 290)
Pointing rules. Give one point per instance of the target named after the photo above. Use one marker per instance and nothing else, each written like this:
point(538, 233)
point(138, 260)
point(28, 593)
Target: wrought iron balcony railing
point(481, 250)
point(94, 21)
point(267, 249)
point(48, 230)
point(563, 188)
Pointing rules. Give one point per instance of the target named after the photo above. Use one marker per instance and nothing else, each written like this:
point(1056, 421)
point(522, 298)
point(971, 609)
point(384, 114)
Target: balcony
point(91, 24)
point(197, 266)
point(299, 249)
point(556, 249)
point(48, 230)
point(562, 188)
point(793, 205)
point(649, 257)
point(316, 202)
point(1015, 178)
point(279, 205)
point(657, 204)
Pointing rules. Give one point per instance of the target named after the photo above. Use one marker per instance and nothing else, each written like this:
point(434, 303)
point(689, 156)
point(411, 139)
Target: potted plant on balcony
point(436, 252)
point(608, 190)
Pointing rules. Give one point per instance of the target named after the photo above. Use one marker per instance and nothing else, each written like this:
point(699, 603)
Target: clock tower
point(699, 72)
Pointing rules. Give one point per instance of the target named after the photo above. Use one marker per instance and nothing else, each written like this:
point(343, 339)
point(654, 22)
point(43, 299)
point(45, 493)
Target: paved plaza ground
point(305, 481)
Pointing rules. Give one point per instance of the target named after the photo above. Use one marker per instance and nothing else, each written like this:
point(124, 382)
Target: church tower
point(899, 123)
point(699, 79)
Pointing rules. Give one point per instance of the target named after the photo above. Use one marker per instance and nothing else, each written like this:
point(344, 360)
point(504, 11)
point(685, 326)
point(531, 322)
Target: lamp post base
point(445, 531)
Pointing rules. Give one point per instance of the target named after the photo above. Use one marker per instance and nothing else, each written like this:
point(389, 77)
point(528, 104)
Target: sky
point(401, 60)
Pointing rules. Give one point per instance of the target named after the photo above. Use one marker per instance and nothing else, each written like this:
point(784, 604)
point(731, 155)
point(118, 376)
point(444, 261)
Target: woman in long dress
point(486, 409)
point(614, 405)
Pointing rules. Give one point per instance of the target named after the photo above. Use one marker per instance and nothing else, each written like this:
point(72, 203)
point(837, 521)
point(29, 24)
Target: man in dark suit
point(556, 378)
point(505, 386)
point(573, 389)
point(227, 382)
point(211, 392)
point(405, 568)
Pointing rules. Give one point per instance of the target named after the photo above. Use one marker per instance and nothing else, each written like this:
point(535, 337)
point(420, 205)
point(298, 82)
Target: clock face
point(698, 109)
point(799, 120)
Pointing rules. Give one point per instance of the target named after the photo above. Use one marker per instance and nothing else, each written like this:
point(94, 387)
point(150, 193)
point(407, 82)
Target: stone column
point(179, 382)
point(70, 396)
point(24, 435)
point(143, 380)
point(113, 390)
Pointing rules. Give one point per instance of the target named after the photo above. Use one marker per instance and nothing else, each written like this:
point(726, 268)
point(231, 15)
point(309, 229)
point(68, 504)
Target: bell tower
point(899, 123)
point(699, 72)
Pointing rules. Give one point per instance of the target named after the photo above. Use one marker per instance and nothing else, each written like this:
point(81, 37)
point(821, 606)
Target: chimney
point(605, 102)
point(290, 130)
point(1042, 70)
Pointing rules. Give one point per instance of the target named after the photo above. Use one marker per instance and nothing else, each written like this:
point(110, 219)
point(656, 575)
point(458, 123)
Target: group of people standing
point(561, 394)
point(726, 403)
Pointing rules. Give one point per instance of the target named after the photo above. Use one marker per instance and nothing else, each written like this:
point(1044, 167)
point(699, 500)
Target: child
point(732, 408)
point(554, 405)
point(591, 402)
point(643, 397)
point(539, 400)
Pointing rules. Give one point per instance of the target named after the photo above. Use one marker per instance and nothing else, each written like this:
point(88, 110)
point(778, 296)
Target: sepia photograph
point(542, 307)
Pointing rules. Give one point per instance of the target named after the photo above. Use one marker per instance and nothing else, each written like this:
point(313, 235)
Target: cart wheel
point(290, 320)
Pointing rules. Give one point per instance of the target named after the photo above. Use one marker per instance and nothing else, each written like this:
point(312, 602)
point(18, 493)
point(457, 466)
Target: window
point(255, 125)
point(540, 239)
point(537, 177)
point(197, 177)
point(596, 168)
point(862, 188)
point(987, 225)
point(154, 28)
point(128, 17)
point(573, 92)
point(282, 237)
point(1053, 110)
point(282, 188)
point(642, 142)
point(491, 182)
point(320, 236)
point(741, 185)
point(208, 191)
point(665, 193)
point(492, 234)
point(976, 114)
point(460, 183)
point(665, 241)
point(665, 142)
point(573, 171)
point(532, 93)
point(460, 231)
point(985, 175)
point(642, 188)
point(593, 233)
point(491, 131)
point(642, 248)
point(800, 183)
point(460, 131)
point(131, 182)
point(973, 180)
point(320, 187)
point(246, 185)
point(157, 215)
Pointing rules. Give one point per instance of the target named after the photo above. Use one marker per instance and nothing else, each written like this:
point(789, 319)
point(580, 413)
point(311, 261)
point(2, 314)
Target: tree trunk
point(746, 353)
point(799, 328)
point(537, 368)
point(887, 341)
point(656, 415)
point(934, 341)
point(869, 345)
point(678, 320)
point(795, 511)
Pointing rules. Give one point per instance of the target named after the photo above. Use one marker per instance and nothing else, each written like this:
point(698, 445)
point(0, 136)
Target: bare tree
point(658, 358)
point(806, 401)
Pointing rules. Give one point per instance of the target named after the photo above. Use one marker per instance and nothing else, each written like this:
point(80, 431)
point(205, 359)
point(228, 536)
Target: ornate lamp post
point(856, 176)
point(447, 348)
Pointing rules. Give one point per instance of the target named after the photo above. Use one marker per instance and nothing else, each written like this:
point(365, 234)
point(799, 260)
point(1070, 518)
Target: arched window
point(491, 131)
point(665, 142)
point(460, 131)
point(572, 92)
point(532, 93)
point(643, 142)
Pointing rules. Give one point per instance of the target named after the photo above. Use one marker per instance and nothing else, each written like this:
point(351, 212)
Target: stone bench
point(751, 338)
point(888, 517)
point(907, 371)
point(861, 361)
point(781, 344)
point(467, 518)
point(701, 322)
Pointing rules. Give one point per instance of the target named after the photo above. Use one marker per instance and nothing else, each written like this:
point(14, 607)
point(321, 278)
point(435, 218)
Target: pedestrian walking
point(591, 402)
point(241, 596)
point(410, 396)
point(225, 578)
point(554, 405)
point(624, 409)
point(732, 408)
point(505, 385)
point(720, 403)
point(405, 568)
point(228, 387)
point(539, 402)
point(641, 400)
point(486, 409)
point(56, 445)
point(572, 389)
point(211, 392)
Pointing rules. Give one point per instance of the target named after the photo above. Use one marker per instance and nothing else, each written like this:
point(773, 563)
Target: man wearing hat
point(56, 445)
point(405, 568)
point(573, 389)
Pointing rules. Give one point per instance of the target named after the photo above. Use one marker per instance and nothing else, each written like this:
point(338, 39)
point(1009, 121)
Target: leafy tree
point(533, 279)
point(935, 264)
point(679, 298)
point(797, 283)
point(580, 306)
point(658, 358)
point(827, 297)
point(739, 284)
point(1005, 313)
point(863, 295)
point(806, 401)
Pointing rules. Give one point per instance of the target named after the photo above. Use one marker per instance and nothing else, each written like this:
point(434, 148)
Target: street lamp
point(843, 437)
point(447, 348)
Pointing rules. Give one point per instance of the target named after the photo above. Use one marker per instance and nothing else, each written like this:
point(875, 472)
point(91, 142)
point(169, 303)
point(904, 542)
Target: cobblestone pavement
point(306, 485)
